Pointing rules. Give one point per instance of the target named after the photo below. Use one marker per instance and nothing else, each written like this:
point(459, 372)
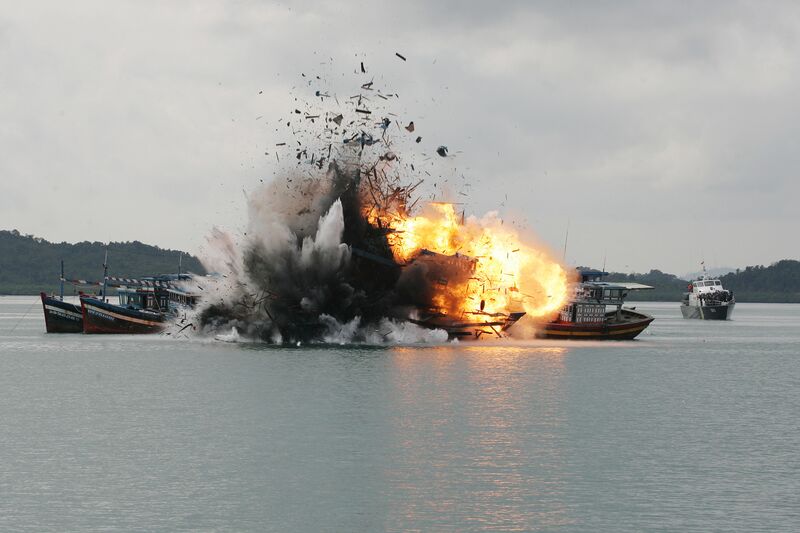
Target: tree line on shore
point(776, 283)
point(31, 264)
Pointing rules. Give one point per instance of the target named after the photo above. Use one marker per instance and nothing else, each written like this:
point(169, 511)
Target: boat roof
point(618, 285)
point(590, 274)
point(169, 277)
point(181, 290)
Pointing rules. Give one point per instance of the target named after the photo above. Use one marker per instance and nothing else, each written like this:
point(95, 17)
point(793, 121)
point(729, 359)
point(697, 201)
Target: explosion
point(508, 274)
point(337, 248)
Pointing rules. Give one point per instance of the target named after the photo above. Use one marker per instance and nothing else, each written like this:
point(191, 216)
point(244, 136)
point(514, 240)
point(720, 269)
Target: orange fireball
point(509, 275)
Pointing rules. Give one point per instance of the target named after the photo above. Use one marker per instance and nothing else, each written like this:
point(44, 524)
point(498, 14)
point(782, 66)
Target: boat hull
point(103, 317)
point(61, 317)
point(465, 330)
point(627, 329)
point(708, 312)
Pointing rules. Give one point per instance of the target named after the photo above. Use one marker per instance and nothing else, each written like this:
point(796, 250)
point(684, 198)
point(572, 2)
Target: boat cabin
point(582, 313)
point(181, 298)
point(706, 291)
point(592, 297)
point(705, 286)
point(149, 298)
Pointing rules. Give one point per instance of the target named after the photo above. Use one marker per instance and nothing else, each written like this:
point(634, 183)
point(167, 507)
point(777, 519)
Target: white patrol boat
point(707, 300)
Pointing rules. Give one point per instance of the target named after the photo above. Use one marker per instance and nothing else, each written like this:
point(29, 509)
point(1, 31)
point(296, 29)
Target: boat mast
point(61, 292)
point(105, 275)
point(566, 238)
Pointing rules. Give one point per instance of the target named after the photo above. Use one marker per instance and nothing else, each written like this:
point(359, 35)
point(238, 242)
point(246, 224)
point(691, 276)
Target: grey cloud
point(621, 117)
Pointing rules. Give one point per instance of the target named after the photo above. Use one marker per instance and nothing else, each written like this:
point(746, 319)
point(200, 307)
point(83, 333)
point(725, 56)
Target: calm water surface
point(694, 427)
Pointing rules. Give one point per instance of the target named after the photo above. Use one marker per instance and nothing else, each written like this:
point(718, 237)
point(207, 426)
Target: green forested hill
point(779, 283)
point(29, 264)
point(667, 287)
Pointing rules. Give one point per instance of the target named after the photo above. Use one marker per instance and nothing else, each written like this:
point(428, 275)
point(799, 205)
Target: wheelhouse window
point(612, 294)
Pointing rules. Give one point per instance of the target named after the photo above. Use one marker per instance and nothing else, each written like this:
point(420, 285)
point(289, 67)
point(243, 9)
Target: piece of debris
point(338, 120)
point(363, 70)
point(442, 151)
point(419, 139)
point(400, 56)
point(364, 111)
point(410, 127)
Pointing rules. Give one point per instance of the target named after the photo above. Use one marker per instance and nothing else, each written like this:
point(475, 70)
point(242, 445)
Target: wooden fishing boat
point(595, 311)
point(61, 316)
point(100, 316)
point(471, 325)
point(145, 305)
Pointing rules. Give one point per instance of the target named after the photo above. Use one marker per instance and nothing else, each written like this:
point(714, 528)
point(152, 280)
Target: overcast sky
point(663, 133)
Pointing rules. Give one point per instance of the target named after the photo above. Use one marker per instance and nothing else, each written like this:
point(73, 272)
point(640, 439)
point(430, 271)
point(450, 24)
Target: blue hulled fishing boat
point(61, 316)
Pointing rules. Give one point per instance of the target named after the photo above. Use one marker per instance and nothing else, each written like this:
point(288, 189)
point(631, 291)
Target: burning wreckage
point(369, 261)
point(348, 248)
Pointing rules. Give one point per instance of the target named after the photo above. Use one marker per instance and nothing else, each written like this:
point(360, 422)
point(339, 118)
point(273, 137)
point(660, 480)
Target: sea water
point(695, 426)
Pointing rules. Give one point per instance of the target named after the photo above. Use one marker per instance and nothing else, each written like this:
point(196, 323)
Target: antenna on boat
point(605, 254)
point(566, 238)
point(62, 281)
point(105, 275)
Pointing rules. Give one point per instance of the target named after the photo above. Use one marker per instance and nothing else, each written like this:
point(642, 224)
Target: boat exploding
point(342, 246)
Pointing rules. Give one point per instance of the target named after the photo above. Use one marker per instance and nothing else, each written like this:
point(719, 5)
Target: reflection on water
point(480, 427)
point(691, 428)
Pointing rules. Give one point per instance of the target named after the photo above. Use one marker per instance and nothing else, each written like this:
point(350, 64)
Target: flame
point(507, 274)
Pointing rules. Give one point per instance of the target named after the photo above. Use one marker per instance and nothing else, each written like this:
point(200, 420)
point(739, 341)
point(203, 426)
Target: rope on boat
point(37, 300)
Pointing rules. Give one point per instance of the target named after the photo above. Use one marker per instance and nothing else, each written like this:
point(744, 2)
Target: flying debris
point(342, 248)
point(400, 56)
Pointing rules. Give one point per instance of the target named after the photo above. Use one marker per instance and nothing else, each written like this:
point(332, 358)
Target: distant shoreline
point(30, 265)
